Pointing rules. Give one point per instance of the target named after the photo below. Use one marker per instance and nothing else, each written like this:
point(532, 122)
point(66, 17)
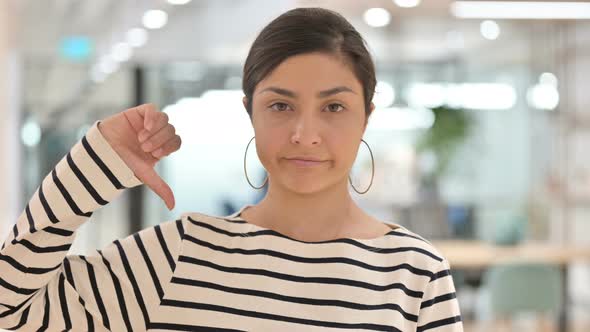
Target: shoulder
point(422, 252)
point(194, 220)
point(205, 217)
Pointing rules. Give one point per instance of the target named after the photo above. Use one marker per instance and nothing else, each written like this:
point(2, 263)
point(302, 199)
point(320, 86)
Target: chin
point(305, 180)
point(305, 190)
point(306, 185)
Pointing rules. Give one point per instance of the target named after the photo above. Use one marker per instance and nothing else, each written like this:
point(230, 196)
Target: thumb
point(161, 188)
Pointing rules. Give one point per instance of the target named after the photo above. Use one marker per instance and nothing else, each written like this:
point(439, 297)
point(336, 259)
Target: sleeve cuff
point(110, 157)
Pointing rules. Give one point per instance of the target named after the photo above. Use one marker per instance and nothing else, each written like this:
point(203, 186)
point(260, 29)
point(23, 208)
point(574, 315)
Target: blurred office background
point(480, 136)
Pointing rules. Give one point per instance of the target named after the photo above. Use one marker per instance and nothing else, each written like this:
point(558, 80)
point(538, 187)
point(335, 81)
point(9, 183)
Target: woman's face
point(310, 106)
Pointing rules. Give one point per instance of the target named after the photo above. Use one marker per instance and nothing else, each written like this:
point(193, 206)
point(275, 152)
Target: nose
point(306, 131)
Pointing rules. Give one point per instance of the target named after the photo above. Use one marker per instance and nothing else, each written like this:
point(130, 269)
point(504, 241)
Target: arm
point(439, 310)
point(42, 286)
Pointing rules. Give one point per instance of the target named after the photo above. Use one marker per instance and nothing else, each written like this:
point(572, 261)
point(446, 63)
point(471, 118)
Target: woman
point(305, 258)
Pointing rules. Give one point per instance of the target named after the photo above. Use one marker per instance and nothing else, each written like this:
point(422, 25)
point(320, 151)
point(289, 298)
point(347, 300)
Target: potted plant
point(451, 127)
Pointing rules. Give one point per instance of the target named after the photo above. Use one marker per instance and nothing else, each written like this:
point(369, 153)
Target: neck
point(325, 214)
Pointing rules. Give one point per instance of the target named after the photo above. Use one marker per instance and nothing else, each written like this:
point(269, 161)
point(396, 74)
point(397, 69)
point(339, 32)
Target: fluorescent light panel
point(521, 9)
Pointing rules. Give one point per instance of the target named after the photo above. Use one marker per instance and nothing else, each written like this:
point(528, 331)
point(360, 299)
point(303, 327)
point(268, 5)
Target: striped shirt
point(203, 272)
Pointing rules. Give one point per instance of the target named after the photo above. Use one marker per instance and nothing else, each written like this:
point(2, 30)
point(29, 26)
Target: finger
point(161, 188)
point(149, 119)
point(134, 118)
point(141, 109)
point(167, 148)
point(158, 120)
point(158, 138)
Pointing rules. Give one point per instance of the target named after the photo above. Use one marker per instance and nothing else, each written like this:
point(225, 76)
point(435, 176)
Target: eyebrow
point(321, 94)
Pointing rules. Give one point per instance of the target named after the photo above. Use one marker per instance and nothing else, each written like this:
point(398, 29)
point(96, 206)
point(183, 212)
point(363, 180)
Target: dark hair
point(305, 30)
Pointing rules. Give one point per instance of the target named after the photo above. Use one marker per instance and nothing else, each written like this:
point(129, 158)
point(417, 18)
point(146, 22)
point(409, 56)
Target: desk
point(479, 255)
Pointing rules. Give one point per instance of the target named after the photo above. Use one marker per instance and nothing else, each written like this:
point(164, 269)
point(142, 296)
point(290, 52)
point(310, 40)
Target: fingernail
point(146, 146)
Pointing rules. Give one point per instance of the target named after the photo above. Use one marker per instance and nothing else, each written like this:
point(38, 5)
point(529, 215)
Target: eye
point(282, 107)
point(335, 108)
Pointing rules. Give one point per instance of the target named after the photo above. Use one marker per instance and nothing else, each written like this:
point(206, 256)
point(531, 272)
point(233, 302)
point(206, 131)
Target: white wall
point(9, 118)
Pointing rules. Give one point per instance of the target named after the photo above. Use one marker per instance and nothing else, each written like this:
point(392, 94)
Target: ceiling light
point(484, 96)
point(31, 133)
point(543, 96)
point(121, 52)
point(178, 2)
point(521, 9)
point(384, 95)
point(137, 37)
point(477, 96)
point(108, 65)
point(548, 78)
point(404, 118)
point(407, 3)
point(490, 30)
point(155, 19)
point(377, 17)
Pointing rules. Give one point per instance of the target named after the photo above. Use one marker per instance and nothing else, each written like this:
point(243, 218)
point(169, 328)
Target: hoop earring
point(246, 173)
point(372, 171)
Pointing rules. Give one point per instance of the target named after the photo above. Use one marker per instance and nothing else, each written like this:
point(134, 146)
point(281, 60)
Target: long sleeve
point(43, 288)
point(439, 310)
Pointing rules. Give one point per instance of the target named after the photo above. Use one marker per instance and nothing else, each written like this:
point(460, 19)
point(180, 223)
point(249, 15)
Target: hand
point(142, 136)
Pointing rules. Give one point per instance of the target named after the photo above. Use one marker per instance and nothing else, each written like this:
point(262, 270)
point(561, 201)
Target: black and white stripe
point(206, 273)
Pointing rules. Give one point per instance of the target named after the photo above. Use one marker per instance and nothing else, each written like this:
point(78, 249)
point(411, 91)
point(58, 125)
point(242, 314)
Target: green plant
point(451, 127)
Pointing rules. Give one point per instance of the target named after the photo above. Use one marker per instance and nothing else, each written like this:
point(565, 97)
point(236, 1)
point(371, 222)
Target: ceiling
point(220, 32)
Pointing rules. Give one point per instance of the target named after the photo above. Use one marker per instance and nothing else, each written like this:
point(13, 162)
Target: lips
point(305, 163)
point(304, 158)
